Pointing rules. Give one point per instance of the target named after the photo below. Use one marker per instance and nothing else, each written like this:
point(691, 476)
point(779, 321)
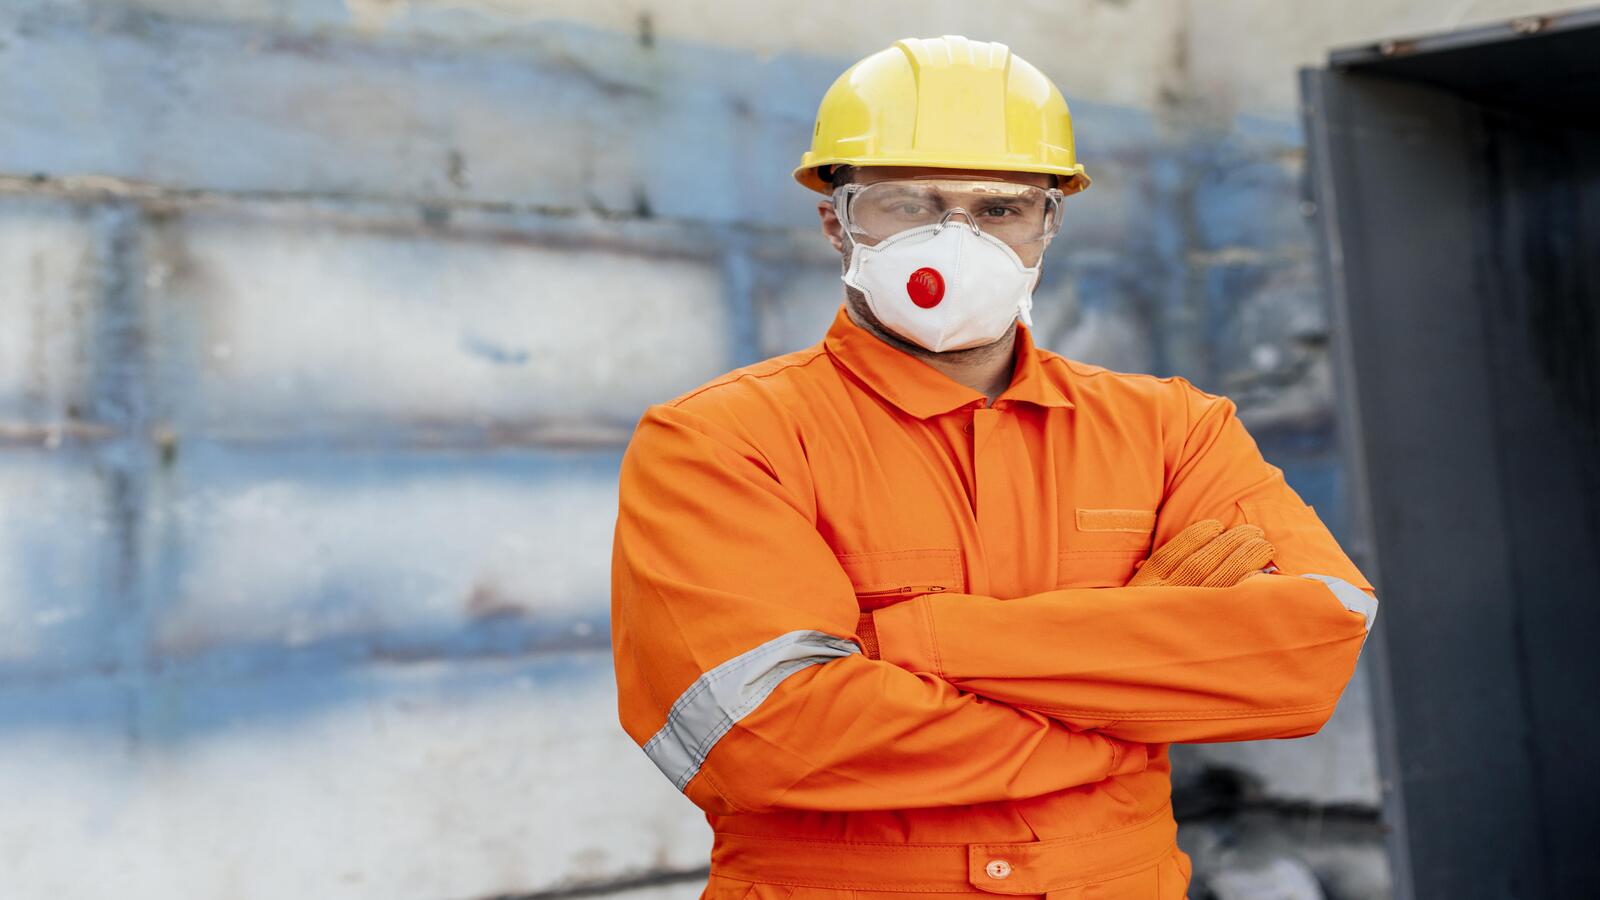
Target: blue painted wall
point(323, 348)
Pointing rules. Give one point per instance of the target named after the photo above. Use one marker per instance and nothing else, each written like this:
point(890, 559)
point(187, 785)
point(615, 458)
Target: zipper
point(908, 589)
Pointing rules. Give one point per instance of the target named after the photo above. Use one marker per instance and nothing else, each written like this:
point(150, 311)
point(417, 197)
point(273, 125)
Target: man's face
point(905, 196)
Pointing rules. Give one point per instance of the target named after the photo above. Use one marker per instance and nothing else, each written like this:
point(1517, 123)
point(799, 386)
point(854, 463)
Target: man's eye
point(1000, 212)
point(909, 209)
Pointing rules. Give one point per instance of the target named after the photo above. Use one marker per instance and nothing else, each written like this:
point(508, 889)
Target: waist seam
point(1109, 831)
point(1027, 867)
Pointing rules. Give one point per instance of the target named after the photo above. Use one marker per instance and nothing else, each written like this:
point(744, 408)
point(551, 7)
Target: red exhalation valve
point(925, 287)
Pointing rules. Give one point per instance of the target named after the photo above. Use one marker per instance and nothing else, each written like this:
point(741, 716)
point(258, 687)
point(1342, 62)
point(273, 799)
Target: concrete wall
point(322, 327)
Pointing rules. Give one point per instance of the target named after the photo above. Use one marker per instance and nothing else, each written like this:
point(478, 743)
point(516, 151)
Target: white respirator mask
point(945, 284)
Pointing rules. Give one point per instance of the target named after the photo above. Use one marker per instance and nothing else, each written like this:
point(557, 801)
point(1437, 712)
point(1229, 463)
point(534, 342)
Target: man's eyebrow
point(985, 199)
point(891, 189)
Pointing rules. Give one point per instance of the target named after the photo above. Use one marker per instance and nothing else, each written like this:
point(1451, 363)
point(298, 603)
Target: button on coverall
point(1012, 738)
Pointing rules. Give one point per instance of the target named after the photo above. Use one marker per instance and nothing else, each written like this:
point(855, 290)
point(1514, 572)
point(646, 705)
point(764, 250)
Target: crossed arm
point(737, 669)
point(1266, 657)
point(740, 675)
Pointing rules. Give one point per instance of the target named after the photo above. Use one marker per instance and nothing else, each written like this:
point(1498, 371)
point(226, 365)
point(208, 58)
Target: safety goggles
point(1018, 214)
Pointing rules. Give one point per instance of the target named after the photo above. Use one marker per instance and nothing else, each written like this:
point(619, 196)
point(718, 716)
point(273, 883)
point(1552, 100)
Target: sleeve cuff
point(905, 635)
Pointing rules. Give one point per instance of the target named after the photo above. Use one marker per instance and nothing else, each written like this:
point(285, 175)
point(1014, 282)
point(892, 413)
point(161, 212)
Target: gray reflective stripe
point(709, 707)
point(1353, 598)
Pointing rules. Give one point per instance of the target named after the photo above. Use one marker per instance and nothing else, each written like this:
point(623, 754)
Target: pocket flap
point(1142, 521)
point(901, 574)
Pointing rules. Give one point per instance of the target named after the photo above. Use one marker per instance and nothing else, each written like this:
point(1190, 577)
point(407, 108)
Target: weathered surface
point(322, 327)
point(450, 778)
point(284, 328)
point(46, 294)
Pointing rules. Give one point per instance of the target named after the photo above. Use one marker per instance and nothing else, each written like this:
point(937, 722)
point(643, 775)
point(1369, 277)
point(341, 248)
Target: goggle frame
point(844, 195)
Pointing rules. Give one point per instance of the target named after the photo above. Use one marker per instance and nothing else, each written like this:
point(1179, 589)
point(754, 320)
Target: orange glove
point(1203, 555)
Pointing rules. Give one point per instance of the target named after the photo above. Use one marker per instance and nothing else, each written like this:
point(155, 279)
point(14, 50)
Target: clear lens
point(1015, 213)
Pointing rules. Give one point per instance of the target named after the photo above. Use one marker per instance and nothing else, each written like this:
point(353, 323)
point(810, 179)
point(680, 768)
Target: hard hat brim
point(1073, 178)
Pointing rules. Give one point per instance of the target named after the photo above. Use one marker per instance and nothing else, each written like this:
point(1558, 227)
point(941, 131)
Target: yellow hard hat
point(948, 103)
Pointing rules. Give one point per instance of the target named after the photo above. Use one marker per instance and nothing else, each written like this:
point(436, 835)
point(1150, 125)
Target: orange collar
point(923, 391)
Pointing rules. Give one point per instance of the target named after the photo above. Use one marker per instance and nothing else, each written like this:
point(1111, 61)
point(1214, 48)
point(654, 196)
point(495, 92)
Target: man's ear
point(831, 227)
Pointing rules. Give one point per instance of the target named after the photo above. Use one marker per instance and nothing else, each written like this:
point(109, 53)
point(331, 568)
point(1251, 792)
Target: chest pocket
point(1103, 547)
point(890, 576)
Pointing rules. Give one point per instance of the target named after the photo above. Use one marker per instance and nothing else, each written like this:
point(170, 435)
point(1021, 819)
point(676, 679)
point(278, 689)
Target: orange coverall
point(1013, 737)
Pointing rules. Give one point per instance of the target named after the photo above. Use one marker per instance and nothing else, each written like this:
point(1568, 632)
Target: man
point(886, 609)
